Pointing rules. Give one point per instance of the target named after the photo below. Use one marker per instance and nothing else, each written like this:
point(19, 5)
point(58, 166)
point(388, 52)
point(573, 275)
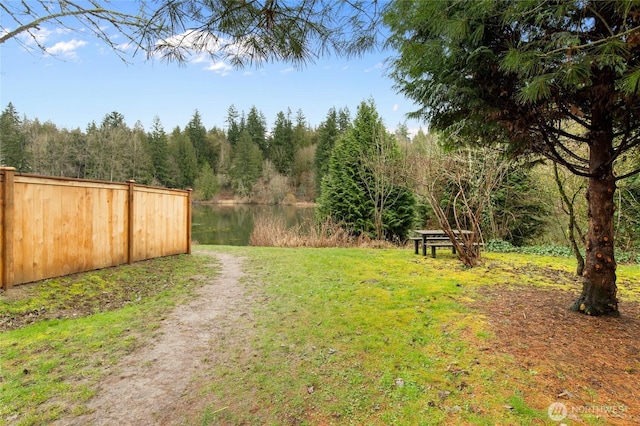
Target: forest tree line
point(520, 202)
point(231, 160)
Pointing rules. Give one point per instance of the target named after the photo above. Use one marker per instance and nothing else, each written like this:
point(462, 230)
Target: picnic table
point(435, 238)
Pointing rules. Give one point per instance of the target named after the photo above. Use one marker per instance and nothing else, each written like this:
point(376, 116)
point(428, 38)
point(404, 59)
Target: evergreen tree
point(281, 148)
point(107, 146)
point(158, 145)
point(217, 142)
point(363, 189)
point(343, 199)
point(184, 159)
point(113, 120)
point(80, 158)
point(233, 126)
point(206, 185)
point(97, 152)
point(198, 137)
point(515, 209)
point(557, 78)
point(256, 125)
point(13, 144)
point(137, 158)
point(243, 122)
point(114, 141)
point(301, 138)
point(59, 151)
point(327, 135)
point(344, 120)
point(402, 134)
point(246, 166)
point(40, 138)
point(74, 143)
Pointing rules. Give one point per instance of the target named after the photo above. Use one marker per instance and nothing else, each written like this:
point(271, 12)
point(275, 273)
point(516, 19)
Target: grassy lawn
point(368, 337)
point(359, 336)
point(341, 336)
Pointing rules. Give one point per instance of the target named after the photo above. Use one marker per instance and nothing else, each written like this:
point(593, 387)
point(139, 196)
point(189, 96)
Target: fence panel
point(53, 226)
point(160, 219)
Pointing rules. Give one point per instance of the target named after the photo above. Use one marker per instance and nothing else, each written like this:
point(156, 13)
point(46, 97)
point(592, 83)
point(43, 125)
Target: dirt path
point(148, 385)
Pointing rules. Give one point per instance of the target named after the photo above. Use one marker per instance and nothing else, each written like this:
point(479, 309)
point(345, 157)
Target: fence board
point(22, 199)
point(51, 237)
point(6, 231)
point(39, 231)
point(56, 230)
point(57, 226)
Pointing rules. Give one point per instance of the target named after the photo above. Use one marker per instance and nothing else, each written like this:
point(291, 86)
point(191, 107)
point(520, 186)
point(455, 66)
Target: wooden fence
point(58, 226)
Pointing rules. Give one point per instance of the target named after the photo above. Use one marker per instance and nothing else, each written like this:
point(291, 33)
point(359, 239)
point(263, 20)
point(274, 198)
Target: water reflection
point(232, 224)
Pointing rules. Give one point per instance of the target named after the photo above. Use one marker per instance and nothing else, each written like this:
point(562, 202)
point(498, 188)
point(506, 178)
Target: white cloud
point(66, 48)
point(287, 70)
point(377, 66)
point(199, 43)
point(197, 47)
point(198, 59)
point(125, 46)
point(219, 67)
point(396, 107)
point(38, 36)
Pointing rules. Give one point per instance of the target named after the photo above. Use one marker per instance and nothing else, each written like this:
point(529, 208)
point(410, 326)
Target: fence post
point(7, 213)
point(189, 200)
point(130, 244)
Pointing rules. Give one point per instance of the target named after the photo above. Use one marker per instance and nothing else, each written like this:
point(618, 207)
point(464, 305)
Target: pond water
point(222, 224)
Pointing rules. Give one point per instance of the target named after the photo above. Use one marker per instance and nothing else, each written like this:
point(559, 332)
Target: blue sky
point(80, 80)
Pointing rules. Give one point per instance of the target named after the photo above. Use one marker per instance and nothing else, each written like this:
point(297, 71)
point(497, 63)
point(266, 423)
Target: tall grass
point(271, 231)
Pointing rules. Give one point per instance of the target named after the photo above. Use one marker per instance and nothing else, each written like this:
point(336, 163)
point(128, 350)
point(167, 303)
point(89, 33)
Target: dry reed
point(271, 231)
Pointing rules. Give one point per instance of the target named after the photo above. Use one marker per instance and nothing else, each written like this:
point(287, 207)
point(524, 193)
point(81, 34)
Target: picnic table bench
point(435, 238)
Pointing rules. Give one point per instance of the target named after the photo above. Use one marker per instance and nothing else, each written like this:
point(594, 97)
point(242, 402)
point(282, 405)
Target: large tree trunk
point(599, 287)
